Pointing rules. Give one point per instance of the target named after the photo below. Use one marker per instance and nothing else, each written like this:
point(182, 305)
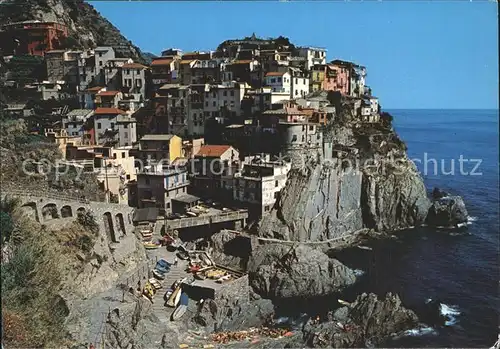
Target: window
point(98, 125)
point(273, 80)
point(296, 81)
point(100, 63)
point(128, 176)
point(275, 183)
point(276, 193)
point(138, 83)
point(125, 135)
point(266, 208)
point(232, 93)
point(206, 104)
point(303, 127)
point(224, 93)
point(123, 155)
point(100, 54)
point(206, 94)
point(304, 81)
point(214, 95)
point(112, 125)
point(214, 103)
point(168, 204)
point(127, 71)
point(279, 79)
point(296, 92)
point(311, 128)
point(114, 156)
point(194, 116)
point(303, 138)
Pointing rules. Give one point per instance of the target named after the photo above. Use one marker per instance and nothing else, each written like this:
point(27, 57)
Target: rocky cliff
point(362, 179)
point(87, 28)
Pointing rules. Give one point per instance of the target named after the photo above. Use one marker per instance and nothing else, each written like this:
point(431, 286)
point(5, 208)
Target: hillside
point(87, 28)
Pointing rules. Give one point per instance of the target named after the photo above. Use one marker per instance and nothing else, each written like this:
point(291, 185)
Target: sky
point(418, 55)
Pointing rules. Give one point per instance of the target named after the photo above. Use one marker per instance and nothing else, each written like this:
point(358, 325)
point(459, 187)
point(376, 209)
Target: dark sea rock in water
point(368, 321)
point(284, 271)
point(447, 211)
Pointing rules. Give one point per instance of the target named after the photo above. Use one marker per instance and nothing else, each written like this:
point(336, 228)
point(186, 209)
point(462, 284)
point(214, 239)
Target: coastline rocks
point(447, 211)
point(284, 271)
point(239, 316)
point(366, 322)
point(394, 197)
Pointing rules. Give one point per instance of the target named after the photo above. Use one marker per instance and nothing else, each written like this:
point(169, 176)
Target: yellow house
point(160, 147)
point(317, 78)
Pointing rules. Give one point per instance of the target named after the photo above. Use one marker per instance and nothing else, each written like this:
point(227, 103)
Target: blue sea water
point(460, 271)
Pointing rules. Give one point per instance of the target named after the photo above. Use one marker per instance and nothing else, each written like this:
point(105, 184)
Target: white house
point(300, 86)
point(105, 120)
point(134, 78)
point(127, 130)
point(73, 121)
point(279, 82)
point(260, 182)
point(313, 55)
point(223, 100)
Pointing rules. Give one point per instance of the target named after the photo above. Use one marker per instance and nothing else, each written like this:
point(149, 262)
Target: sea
point(459, 270)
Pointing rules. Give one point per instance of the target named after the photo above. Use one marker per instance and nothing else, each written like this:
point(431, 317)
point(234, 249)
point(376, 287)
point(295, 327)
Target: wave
point(450, 312)
point(358, 272)
point(420, 331)
point(470, 220)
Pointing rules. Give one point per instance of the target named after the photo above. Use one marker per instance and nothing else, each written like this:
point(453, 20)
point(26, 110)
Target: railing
point(46, 194)
point(206, 219)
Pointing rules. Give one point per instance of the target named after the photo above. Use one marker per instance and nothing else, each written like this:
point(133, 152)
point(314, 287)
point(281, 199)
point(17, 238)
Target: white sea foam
point(420, 331)
point(450, 312)
point(358, 272)
point(470, 220)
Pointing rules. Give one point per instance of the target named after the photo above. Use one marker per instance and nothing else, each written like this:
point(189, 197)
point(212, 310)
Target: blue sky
point(418, 54)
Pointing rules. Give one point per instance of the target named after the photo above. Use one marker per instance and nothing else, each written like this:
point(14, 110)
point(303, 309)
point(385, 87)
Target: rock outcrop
point(446, 210)
point(367, 322)
point(280, 271)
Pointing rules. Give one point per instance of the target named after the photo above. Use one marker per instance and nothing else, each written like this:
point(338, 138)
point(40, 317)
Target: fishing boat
point(173, 300)
point(158, 274)
point(155, 283)
point(224, 278)
point(150, 246)
point(181, 308)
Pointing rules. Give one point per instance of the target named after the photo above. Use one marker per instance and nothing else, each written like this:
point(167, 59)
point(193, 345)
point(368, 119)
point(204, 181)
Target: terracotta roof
point(164, 61)
point(107, 111)
point(108, 93)
point(134, 66)
point(275, 73)
point(213, 150)
point(187, 61)
point(94, 89)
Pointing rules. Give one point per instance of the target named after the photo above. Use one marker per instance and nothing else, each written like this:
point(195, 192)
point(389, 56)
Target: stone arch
point(29, 210)
point(49, 211)
point(81, 210)
point(120, 223)
point(108, 226)
point(66, 211)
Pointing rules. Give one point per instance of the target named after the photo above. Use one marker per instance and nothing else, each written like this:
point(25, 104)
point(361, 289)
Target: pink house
point(337, 77)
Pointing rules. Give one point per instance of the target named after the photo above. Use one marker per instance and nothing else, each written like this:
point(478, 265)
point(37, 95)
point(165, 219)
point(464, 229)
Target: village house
point(300, 135)
point(159, 184)
point(88, 96)
point(171, 108)
point(196, 117)
point(241, 70)
point(317, 78)
point(210, 166)
point(107, 99)
point(34, 37)
point(279, 82)
point(135, 78)
point(62, 139)
point(337, 77)
point(166, 147)
point(73, 122)
point(259, 183)
point(223, 102)
point(105, 120)
point(127, 130)
point(185, 71)
point(313, 55)
point(131, 102)
point(113, 72)
point(300, 83)
point(206, 71)
point(164, 70)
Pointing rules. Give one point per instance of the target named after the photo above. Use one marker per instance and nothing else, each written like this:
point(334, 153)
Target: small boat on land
point(200, 276)
point(150, 246)
point(224, 278)
point(155, 283)
point(181, 308)
point(175, 297)
point(159, 275)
